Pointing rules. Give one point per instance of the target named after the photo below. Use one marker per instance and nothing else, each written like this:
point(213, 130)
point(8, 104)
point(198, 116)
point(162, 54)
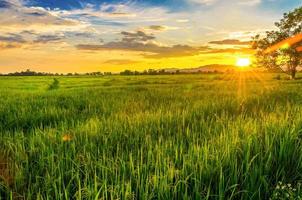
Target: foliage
point(54, 85)
point(148, 72)
point(29, 72)
point(287, 55)
point(174, 71)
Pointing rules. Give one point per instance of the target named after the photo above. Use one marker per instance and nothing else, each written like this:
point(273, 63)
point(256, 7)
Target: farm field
point(217, 136)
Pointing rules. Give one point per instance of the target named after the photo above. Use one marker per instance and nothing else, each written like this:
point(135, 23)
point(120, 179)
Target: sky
point(114, 35)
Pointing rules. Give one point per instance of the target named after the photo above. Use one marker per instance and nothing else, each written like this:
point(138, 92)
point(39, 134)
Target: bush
point(54, 85)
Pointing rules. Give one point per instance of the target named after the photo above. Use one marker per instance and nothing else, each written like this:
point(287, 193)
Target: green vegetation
point(281, 48)
point(54, 85)
point(151, 137)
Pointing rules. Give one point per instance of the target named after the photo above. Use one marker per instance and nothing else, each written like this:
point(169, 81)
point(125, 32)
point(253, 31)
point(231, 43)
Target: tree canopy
point(282, 48)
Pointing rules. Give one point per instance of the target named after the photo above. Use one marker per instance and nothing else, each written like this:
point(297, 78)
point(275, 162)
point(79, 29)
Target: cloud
point(204, 2)
point(28, 39)
point(155, 50)
point(250, 2)
point(104, 12)
point(239, 2)
point(127, 14)
point(13, 13)
point(37, 13)
point(12, 38)
point(120, 61)
point(4, 46)
point(138, 36)
point(142, 42)
point(230, 51)
point(177, 51)
point(5, 4)
point(182, 20)
point(230, 42)
point(157, 27)
point(48, 38)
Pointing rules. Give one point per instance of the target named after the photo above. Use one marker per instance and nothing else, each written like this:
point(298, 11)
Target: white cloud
point(240, 2)
point(249, 2)
point(205, 21)
point(205, 2)
point(15, 16)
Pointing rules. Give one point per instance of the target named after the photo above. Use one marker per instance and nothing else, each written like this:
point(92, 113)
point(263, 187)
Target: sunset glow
point(90, 35)
point(243, 62)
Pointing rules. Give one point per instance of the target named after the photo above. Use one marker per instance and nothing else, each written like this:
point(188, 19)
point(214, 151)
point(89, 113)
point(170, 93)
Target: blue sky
point(75, 4)
point(173, 5)
point(133, 32)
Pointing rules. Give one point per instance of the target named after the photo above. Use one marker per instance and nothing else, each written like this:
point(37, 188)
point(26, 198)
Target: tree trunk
point(293, 73)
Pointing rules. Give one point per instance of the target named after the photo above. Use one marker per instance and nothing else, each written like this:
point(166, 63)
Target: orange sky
point(72, 60)
point(114, 36)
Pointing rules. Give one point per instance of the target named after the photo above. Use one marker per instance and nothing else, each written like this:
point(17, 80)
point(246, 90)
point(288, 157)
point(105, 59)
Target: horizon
point(168, 69)
point(91, 35)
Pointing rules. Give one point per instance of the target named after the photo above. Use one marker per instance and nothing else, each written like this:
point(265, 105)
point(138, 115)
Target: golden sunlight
point(243, 62)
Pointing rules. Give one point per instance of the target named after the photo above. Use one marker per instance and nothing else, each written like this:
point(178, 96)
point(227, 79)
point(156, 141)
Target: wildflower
point(66, 138)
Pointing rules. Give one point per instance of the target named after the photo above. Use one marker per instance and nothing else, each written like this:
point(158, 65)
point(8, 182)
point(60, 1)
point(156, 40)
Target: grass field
point(151, 137)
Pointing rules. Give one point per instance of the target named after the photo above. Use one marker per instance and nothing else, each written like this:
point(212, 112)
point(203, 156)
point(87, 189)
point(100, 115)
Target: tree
point(281, 48)
point(127, 72)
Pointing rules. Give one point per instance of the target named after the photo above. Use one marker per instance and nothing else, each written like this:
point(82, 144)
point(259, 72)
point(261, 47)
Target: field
point(232, 136)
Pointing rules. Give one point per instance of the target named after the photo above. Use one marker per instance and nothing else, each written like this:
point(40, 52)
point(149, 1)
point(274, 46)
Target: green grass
point(149, 137)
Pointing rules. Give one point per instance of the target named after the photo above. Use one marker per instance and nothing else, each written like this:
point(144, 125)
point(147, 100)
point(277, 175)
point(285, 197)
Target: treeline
point(165, 72)
point(145, 72)
point(214, 71)
point(28, 72)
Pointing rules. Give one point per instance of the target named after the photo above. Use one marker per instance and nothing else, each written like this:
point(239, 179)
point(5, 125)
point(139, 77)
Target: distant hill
point(204, 69)
point(222, 69)
point(212, 68)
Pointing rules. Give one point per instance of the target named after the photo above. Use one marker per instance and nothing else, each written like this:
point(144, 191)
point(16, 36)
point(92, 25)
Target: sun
point(243, 62)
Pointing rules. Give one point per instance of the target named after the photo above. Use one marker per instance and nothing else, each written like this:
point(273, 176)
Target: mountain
point(204, 69)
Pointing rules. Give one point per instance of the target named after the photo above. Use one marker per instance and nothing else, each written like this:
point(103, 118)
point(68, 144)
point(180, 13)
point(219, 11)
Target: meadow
point(218, 136)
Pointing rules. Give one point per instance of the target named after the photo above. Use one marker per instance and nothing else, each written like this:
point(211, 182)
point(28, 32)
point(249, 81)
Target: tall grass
point(157, 137)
